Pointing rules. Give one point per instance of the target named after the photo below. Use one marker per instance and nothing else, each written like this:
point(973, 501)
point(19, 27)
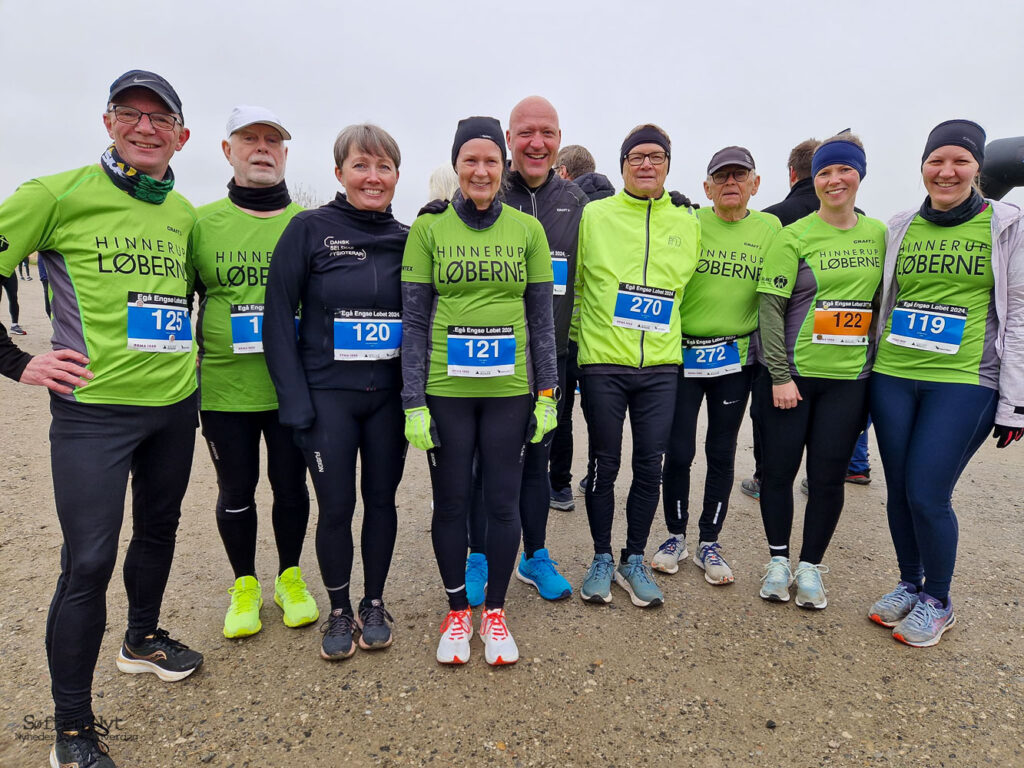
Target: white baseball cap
point(243, 115)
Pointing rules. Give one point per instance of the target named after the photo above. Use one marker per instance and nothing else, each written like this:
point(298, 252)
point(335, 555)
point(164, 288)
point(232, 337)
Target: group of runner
point(340, 334)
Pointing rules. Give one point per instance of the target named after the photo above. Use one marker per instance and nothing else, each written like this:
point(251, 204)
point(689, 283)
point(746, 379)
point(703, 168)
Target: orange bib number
point(842, 322)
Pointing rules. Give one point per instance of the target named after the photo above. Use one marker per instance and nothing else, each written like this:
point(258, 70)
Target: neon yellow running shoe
point(293, 598)
point(243, 616)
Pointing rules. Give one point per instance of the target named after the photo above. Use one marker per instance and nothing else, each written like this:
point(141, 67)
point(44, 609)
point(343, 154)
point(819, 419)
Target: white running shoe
point(456, 632)
point(716, 569)
point(810, 592)
point(667, 558)
point(776, 580)
point(499, 647)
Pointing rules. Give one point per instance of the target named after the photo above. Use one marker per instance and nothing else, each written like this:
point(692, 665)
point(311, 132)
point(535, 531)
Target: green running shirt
point(945, 320)
point(477, 342)
point(831, 277)
point(230, 252)
point(721, 297)
point(103, 249)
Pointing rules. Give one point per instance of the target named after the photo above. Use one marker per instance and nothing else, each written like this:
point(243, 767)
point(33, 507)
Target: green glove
point(545, 417)
point(420, 431)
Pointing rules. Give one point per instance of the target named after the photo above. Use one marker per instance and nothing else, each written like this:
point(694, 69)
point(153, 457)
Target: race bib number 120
point(367, 334)
point(158, 323)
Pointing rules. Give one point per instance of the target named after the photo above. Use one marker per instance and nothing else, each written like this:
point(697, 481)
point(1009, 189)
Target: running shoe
point(810, 592)
point(499, 647)
point(636, 578)
point(17, 330)
point(889, 610)
point(597, 585)
point(777, 580)
point(476, 578)
point(709, 557)
point(168, 659)
point(540, 572)
point(374, 625)
point(562, 500)
point(81, 748)
point(859, 478)
point(243, 616)
point(293, 598)
point(752, 487)
point(667, 558)
point(456, 631)
point(337, 631)
point(583, 485)
point(925, 624)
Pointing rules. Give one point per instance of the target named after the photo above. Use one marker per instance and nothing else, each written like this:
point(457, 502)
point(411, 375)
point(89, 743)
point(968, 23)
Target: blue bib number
point(643, 308)
point(928, 327)
point(711, 357)
point(246, 328)
point(158, 323)
point(367, 334)
point(560, 268)
point(481, 352)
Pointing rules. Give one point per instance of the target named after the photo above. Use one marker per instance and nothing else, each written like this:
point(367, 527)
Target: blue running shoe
point(636, 578)
point(889, 610)
point(597, 586)
point(539, 571)
point(476, 578)
point(926, 623)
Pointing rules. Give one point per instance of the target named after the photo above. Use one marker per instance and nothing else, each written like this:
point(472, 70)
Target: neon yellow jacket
point(629, 240)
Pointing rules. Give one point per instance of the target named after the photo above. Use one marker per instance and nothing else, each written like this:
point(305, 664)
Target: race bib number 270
point(158, 322)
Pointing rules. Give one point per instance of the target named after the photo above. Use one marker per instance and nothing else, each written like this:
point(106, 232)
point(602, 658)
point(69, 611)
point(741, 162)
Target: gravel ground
point(716, 677)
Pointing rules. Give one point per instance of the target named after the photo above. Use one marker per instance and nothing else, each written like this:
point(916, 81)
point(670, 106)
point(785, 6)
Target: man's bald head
point(533, 137)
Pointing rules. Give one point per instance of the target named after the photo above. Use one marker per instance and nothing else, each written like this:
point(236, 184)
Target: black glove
point(679, 200)
point(434, 206)
point(302, 437)
point(1006, 435)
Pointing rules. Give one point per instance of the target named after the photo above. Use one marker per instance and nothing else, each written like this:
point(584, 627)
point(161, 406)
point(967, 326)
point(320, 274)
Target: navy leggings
point(927, 432)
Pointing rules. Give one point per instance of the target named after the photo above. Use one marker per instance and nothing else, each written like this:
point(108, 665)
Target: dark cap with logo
point(140, 78)
point(958, 133)
point(731, 156)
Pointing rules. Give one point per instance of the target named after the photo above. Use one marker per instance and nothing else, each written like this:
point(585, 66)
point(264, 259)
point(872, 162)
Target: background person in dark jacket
point(575, 163)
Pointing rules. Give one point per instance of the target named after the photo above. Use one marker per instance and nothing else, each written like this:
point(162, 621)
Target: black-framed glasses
point(739, 174)
point(637, 158)
point(131, 116)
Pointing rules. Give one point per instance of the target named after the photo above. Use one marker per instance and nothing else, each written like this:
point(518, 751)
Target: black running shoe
point(337, 631)
point(160, 654)
point(373, 624)
point(81, 748)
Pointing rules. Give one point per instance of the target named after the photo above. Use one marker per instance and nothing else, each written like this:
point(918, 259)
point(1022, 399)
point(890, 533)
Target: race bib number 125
point(158, 323)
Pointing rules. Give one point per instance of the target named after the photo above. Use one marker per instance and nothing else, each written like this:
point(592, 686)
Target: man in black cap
point(113, 237)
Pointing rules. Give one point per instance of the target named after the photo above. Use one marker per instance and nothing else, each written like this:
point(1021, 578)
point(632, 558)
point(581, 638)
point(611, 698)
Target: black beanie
point(958, 133)
point(478, 128)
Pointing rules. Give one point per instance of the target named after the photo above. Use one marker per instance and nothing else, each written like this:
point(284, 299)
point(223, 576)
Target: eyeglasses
point(720, 177)
point(637, 158)
point(131, 116)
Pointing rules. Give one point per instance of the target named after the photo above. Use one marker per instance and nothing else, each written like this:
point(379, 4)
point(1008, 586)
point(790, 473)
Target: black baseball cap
point(140, 78)
point(731, 156)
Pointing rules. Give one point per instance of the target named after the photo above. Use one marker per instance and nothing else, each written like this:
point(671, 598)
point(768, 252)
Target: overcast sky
point(762, 74)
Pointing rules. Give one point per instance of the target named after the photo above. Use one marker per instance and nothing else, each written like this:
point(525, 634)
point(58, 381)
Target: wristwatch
point(555, 393)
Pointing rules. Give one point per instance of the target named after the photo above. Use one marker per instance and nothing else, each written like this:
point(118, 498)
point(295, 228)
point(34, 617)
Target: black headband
point(958, 133)
point(646, 135)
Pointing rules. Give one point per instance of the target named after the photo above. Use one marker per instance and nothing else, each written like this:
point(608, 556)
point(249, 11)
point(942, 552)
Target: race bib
point(842, 322)
point(367, 334)
point(710, 357)
point(643, 308)
point(158, 322)
point(928, 327)
point(560, 268)
point(481, 352)
point(246, 328)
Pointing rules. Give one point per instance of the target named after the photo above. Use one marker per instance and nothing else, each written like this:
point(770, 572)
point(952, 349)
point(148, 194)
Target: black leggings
point(234, 442)
point(726, 401)
point(649, 398)
point(372, 426)
point(93, 449)
point(10, 284)
point(496, 428)
point(827, 421)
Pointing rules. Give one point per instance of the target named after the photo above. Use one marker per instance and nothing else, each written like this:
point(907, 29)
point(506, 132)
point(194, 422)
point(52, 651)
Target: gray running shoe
point(636, 578)
point(776, 580)
point(751, 487)
point(925, 624)
point(889, 610)
point(667, 558)
point(597, 586)
point(709, 558)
